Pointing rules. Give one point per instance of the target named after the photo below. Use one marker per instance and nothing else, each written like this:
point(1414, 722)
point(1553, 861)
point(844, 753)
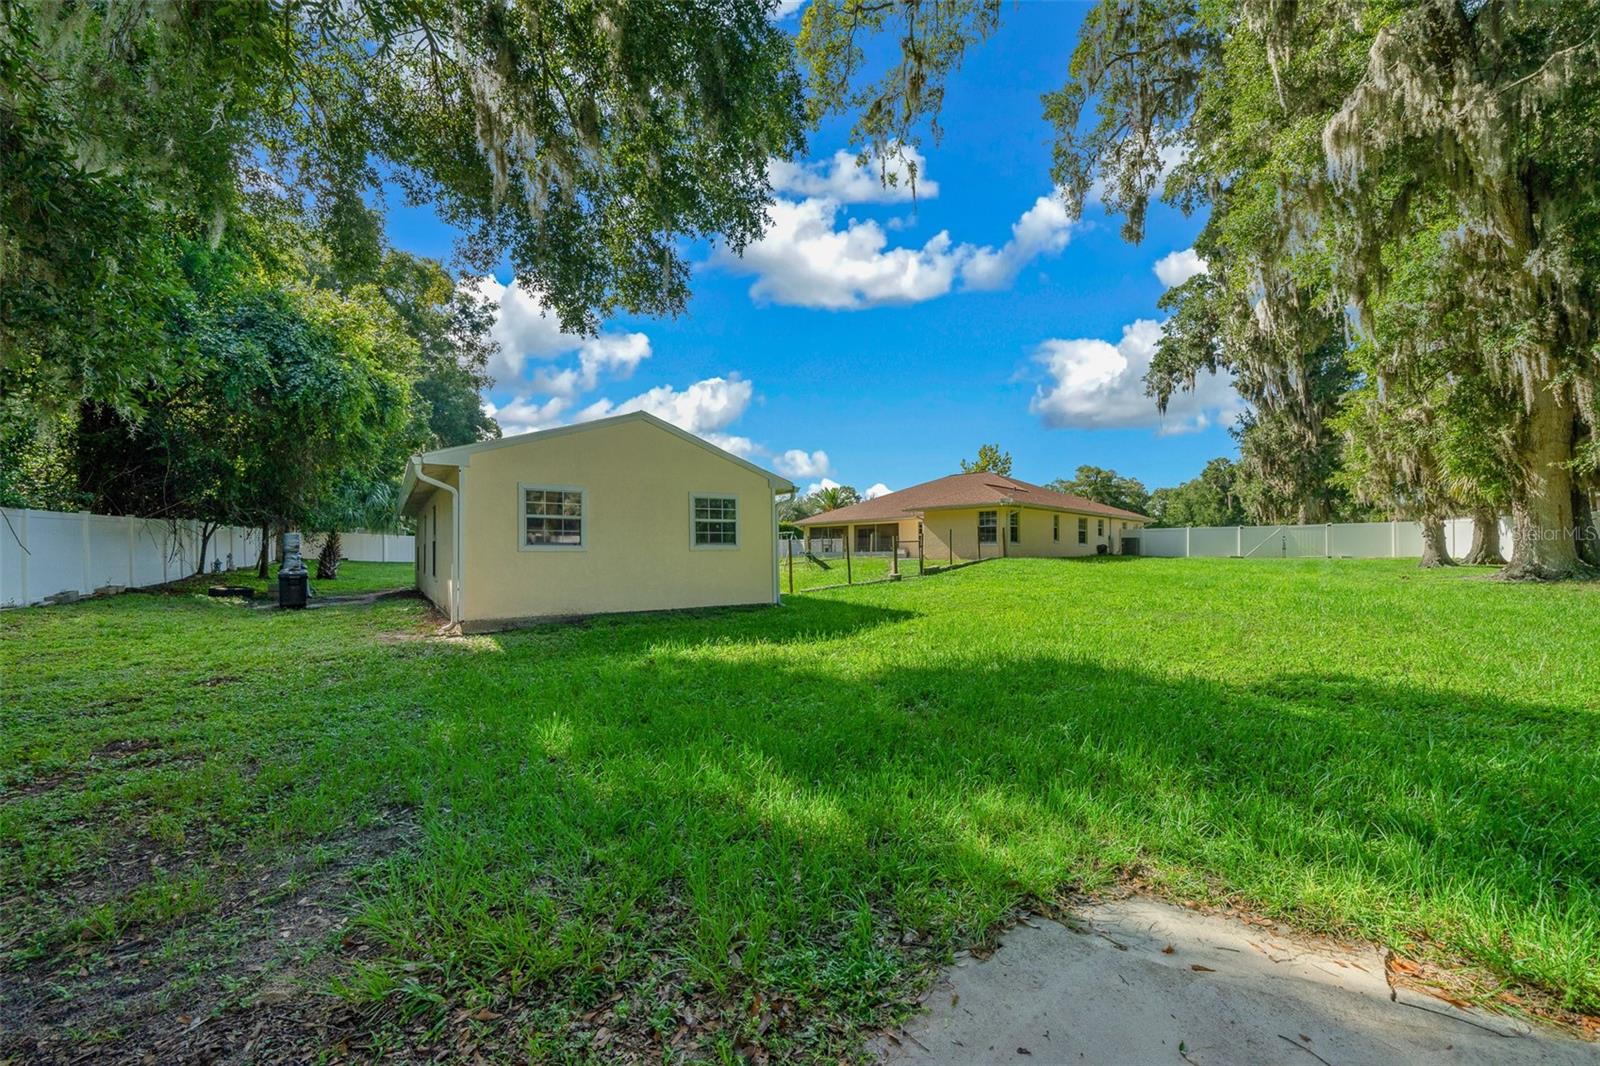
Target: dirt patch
point(244, 979)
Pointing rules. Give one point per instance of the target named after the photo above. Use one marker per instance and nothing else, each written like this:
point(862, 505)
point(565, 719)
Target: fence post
point(1187, 530)
point(848, 580)
point(1238, 541)
point(950, 542)
point(1327, 541)
point(133, 544)
point(894, 559)
point(791, 566)
point(83, 537)
point(22, 560)
point(1394, 539)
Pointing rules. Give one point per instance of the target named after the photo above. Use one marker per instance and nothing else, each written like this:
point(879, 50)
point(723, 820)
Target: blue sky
point(894, 337)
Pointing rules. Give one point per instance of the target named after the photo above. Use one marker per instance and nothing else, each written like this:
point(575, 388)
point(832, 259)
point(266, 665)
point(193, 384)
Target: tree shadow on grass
point(784, 829)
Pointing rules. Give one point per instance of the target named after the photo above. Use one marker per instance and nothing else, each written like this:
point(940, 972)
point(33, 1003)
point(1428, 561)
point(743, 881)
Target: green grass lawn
point(354, 579)
point(753, 832)
point(830, 571)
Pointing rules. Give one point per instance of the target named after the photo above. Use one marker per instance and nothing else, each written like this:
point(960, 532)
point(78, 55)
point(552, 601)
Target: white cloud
point(1043, 229)
point(805, 260)
point(616, 355)
point(1098, 385)
point(704, 408)
point(526, 328)
point(818, 486)
point(524, 414)
point(786, 8)
point(844, 181)
point(880, 489)
point(797, 462)
point(1175, 268)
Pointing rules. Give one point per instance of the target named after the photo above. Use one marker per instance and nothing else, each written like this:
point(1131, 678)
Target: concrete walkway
point(1226, 992)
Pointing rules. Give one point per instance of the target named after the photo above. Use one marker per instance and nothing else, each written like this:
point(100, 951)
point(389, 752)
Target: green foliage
point(1212, 499)
point(292, 401)
point(1105, 486)
point(890, 109)
point(991, 459)
point(587, 144)
point(832, 497)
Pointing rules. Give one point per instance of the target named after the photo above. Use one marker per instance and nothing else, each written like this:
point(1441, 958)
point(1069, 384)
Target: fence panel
point(46, 554)
point(1164, 543)
point(1214, 540)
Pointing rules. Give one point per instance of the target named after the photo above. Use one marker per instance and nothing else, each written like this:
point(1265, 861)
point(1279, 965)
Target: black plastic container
point(292, 589)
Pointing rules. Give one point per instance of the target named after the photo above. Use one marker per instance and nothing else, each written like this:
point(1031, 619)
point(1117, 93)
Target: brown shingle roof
point(962, 490)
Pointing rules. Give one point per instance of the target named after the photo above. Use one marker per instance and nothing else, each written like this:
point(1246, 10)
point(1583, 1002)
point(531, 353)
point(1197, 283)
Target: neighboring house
point(620, 514)
point(982, 515)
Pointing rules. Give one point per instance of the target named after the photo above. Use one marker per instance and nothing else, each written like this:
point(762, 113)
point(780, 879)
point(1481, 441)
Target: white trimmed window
point(988, 527)
point(714, 520)
point(552, 516)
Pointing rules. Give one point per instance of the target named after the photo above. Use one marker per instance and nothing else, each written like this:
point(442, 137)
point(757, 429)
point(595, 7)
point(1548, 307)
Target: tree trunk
point(1543, 545)
point(1485, 550)
point(1434, 550)
point(1588, 537)
point(261, 560)
point(328, 558)
point(206, 529)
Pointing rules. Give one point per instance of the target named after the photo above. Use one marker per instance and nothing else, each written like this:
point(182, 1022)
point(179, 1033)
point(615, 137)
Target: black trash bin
point(292, 588)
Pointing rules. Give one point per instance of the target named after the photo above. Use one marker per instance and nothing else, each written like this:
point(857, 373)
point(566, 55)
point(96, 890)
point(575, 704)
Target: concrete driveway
point(1146, 982)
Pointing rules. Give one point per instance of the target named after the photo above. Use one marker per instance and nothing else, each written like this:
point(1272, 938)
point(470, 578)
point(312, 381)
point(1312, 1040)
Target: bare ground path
point(1140, 981)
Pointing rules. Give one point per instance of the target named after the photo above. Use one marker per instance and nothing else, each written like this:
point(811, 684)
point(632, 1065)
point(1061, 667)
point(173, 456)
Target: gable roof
point(963, 490)
point(461, 454)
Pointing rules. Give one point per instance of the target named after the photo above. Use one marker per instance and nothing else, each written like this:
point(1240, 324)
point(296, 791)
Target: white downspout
point(455, 510)
point(777, 594)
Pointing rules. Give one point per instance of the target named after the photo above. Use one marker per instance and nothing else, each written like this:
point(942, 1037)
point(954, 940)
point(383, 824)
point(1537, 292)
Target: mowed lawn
point(754, 832)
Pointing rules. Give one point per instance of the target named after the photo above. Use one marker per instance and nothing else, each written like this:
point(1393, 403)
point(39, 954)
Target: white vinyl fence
point(1336, 540)
point(47, 556)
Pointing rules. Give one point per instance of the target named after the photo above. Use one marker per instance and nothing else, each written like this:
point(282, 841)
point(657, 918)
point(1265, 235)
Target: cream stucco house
point(979, 516)
point(620, 514)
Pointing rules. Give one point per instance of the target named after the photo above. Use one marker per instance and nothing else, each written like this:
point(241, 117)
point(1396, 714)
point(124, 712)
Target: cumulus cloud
point(526, 329)
point(785, 8)
point(704, 408)
point(806, 260)
point(880, 489)
point(526, 414)
point(614, 355)
point(1175, 268)
point(1098, 385)
point(843, 180)
point(797, 462)
point(818, 486)
point(1043, 229)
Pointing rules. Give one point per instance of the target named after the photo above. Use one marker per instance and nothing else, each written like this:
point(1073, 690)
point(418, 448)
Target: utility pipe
point(455, 511)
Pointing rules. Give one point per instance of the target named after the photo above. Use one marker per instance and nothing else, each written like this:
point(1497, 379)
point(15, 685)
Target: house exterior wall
point(1035, 534)
point(958, 528)
point(436, 546)
point(637, 481)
